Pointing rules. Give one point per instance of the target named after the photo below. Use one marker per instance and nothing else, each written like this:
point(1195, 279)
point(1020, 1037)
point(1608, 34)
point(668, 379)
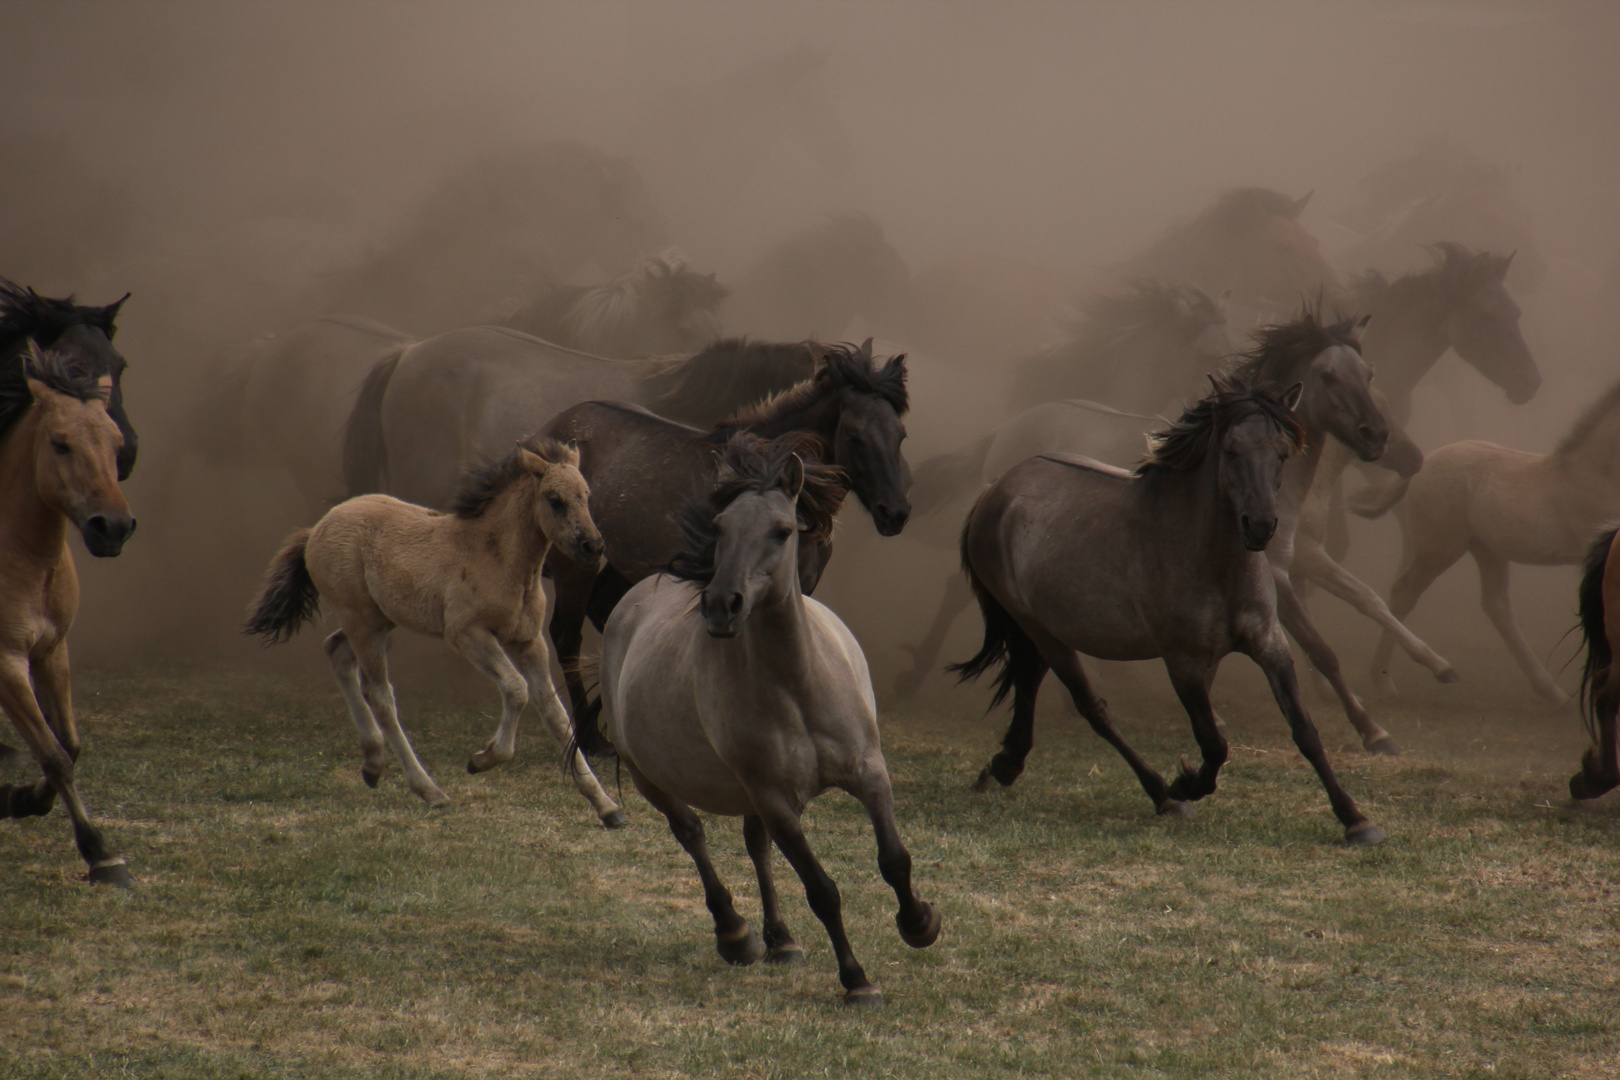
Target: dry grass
point(289, 922)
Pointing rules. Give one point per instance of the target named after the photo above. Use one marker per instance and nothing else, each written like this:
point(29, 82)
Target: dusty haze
point(221, 162)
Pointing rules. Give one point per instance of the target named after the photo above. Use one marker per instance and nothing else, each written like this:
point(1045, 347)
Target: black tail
point(365, 455)
point(1599, 651)
point(588, 737)
point(288, 598)
point(1005, 642)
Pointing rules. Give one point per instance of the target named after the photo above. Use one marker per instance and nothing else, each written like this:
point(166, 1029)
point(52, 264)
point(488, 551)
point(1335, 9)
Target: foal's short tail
point(1004, 640)
point(288, 598)
point(1376, 500)
point(1599, 650)
point(588, 737)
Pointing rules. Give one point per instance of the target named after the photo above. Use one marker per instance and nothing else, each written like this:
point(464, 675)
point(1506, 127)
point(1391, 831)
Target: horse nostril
point(734, 603)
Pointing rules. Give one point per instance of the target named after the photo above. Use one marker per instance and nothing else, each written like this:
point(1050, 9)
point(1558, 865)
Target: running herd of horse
point(685, 506)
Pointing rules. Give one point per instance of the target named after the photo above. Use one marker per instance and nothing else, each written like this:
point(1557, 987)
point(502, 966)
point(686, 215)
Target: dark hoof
point(472, 766)
point(1582, 787)
point(114, 874)
point(866, 997)
point(1364, 835)
point(1000, 770)
point(1175, 808)
point(742, 949)
point(785, 956)
point(615, 820)
point(1384, 745)
point(928, 934)
point(371, 776)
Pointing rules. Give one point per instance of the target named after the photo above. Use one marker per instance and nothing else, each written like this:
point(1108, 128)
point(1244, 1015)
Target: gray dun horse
point(1067, 555)
point(471, 577)
point(58, 464)
point(724, 688)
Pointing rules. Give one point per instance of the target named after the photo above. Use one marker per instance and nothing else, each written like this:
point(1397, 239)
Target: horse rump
point(1005, 643)
point(288, 598)
point(365, 452)
point(1599, 650)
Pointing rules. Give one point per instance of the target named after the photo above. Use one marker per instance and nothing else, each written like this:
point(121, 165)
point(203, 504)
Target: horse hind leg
point(780, 948)
point(1066, 666)
point(917, 920)
point(372, 746)
point(958, 596)
point(1026, 667)
point(543, 693)
point(1498, 605)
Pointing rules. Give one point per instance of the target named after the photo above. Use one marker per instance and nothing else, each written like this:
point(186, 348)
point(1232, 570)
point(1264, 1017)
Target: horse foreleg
point(1294, 619)
point(779, 944)
point(341, 656)
point(917, 920)
point(1419, 569)
point(1278, 663)
point(1191, 683)
point(1065, 664)
point(536, 669)
point(734, 939)
point(52, 679)
point(371, 654)
point(18, 701)
point(782, 822)
point(1313, 564)
point(1498, 605)
point(484, 653)
point(571, 595)
point(958, 596)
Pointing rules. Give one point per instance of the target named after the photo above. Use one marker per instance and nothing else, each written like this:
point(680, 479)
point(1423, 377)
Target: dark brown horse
point(1066, 555)
point(1600, 676)
point(642, 468)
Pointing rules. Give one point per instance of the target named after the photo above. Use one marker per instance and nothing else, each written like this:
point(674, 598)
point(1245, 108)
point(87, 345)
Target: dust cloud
point(244, 169)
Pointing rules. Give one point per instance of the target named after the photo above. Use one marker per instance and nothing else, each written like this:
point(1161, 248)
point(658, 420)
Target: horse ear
point(1292, 395)
point(866, 348)
point(1501, 274)
point(532, 461)
point(1299, 206)
point(793, 477)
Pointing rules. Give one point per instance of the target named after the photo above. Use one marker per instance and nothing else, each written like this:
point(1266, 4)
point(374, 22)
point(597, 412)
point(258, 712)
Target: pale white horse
point(1502, 506)
point(726, 689)
point(471, 577)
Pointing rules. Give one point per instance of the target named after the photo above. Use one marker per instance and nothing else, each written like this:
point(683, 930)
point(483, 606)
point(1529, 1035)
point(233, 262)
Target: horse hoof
point(1175, 808)
point(742, 949)
point(928, 934)
point(1385, 745)
point(785, 956)
point(1583, 787)
point(434, 798)
point(371, 776)
point(615, 820)
point(982, 784)
point(1447, 675)
point(865, 997)
point(115, 874)
point(1364, 835)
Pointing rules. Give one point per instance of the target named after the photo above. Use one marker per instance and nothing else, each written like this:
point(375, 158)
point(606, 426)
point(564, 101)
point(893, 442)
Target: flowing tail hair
point(288, 598)
point(1599, 650)
point(365, 454)
point(1005, 643)
point(588, 737)
point(1375, 500)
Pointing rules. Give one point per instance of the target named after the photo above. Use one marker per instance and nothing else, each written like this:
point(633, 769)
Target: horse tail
point(1599, 650)
point(288, 598)
point(365, 453)
point(588, 737)
point(942, 477)
point(1005, 642)
point(1375, 500)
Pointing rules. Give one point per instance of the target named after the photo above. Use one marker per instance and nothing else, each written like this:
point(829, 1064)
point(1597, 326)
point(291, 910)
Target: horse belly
point(664, 741)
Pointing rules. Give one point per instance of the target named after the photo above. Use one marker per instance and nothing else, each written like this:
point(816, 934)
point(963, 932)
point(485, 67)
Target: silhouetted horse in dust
point(1067, 555)
point(726, 689)
point(642, 468)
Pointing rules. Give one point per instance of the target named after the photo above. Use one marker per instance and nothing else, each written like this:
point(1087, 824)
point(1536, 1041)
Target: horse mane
point(1279, 348)
point(61, 372)
point(842, 366)
point(605, 312)
point(748, 463)
point(1248, 209)
point(1145, 305)
point(731, 373)
point(1587, 423)
point(1457, 272)
point(486, 483)
point(24, 314)
point(1185, 443)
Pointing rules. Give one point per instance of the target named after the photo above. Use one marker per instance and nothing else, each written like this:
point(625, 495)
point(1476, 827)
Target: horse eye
point(61, 447)
point(556, 503)
point(781, 534)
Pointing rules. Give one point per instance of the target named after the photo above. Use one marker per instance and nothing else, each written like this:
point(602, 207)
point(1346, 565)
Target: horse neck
point(1407, 335)
point(818, 416)
point(1194, 497)
point(509, 521)
point(1598, 454)
point(776, 638)
point(30, 528)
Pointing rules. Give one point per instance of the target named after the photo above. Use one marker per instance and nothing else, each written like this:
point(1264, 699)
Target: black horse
point(642, 469)
point(83, 334)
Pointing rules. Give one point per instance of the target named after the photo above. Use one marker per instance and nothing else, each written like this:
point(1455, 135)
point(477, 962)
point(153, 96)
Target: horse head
point(865, 443)
point(1325, 358)
point(1483, 323)
point(562, 499)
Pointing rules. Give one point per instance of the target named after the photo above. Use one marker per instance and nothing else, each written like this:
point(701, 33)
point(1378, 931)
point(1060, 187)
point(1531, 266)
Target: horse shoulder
point(837, 644)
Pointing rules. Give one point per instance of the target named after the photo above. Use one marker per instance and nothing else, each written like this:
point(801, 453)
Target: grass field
point(287, 921)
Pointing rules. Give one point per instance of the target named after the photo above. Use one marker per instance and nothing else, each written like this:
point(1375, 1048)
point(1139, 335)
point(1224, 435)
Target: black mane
point(729, 375)
point(842, 367)
point(1280, 348)
point(60, 372)
point(25, 315)
point(749, 463)
point(1184, 444)
point(484, 485)
point(1458, 272)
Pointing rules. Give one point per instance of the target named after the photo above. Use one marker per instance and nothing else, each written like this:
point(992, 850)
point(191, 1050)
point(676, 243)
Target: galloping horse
point(725, 688)
point(85, 332)
point(1600, 676)
point(58, 464)
point(641, 467)
point(1067, 555)
point(471, 577)
point(1501, 506)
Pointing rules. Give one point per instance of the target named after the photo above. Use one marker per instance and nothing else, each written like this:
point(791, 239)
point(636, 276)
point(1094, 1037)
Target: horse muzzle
point(1257, 532)
point(1524, 389)
point(723, 612)
point(104, 534)
point(889, 520)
